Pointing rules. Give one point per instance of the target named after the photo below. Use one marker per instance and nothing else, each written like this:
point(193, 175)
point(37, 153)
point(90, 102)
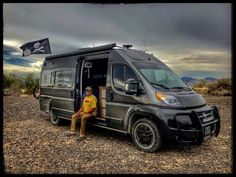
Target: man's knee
point(75, 116)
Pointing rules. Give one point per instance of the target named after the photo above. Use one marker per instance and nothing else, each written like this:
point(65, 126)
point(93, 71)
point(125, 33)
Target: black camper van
point(137, 95)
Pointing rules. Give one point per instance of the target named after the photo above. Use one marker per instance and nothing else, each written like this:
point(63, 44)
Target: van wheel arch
point(135, 117)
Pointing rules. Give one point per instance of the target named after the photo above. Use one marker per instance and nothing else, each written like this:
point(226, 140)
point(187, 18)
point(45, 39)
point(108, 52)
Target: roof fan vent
point(128, 46)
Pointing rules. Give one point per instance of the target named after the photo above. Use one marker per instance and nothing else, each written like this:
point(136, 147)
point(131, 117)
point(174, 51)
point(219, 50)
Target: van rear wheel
point(146, 135)
point(55, 120)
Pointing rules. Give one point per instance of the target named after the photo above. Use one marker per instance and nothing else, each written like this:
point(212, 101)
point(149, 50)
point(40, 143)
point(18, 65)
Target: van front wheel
point(146, 135)
point(54, 118)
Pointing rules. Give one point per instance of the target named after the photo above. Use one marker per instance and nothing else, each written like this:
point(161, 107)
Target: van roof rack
point(83, 51)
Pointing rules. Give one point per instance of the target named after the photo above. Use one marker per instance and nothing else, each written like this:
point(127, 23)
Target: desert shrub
point(200, 84)
point(11, 82)
point(201, 90)
point(18, 85)
point(221, 87)
point(30, 83)
point(7, 81)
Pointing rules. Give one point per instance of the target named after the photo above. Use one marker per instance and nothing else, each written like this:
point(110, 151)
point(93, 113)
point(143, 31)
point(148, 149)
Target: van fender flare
point(136, 112)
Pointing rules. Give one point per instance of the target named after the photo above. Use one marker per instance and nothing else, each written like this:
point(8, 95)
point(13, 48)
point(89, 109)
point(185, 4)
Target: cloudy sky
point(194, 39)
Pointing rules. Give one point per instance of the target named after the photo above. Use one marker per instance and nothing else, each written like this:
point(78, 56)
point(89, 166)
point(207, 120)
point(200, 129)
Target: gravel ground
point(32, 145)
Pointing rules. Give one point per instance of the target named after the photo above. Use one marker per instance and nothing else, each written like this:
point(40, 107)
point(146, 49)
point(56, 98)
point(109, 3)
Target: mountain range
point(191, 80)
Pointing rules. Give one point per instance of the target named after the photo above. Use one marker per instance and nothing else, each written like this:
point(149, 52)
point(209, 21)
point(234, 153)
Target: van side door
point(118, 102)
point(64, 92)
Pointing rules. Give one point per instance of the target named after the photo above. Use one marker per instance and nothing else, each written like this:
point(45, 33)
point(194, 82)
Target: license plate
point(207, 130)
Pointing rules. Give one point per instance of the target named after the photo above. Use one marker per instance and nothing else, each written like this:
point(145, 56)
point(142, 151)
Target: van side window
point(47, 79)
point(63, 78)
point(68, 78)
point(118, 77)
point(120, 74)
point(129, 74)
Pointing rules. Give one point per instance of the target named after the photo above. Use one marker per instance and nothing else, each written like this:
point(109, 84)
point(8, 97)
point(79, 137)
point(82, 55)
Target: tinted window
point(68, 78)
point(118, 76)
point(63, 78)
point(47, 79)
point(129, 73)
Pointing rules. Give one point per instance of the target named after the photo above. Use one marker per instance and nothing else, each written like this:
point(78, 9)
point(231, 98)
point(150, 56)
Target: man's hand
point(80, 110)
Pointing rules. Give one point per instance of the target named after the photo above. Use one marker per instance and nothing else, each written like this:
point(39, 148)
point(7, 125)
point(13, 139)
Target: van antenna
point(145, 45)
point(146, 48)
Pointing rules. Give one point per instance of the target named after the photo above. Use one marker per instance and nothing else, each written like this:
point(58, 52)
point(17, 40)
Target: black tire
point(55, 120)
point(36, 92)
point(146, 135)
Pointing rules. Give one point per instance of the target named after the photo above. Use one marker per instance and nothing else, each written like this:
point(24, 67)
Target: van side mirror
point(131, 86)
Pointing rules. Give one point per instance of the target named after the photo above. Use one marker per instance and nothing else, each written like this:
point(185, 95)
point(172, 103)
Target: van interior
point(94, 74)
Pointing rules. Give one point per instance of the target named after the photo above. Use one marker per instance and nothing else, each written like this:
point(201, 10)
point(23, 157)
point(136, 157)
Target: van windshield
point(161, 76)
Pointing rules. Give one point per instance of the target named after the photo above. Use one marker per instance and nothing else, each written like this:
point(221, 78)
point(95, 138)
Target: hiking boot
point(70, 133)
point(81, 138)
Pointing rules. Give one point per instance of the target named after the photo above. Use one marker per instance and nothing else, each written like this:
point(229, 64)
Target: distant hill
point(210, 79)
point(191, 80)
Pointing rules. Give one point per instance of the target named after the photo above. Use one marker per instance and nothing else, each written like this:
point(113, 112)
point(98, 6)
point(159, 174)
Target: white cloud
point(171, 31)
point(37, 64)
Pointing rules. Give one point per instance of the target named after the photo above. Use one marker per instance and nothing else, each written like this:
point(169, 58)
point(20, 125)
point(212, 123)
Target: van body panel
point(45, 102)
point(190, 99)
point(188, 122)
point(61, 100)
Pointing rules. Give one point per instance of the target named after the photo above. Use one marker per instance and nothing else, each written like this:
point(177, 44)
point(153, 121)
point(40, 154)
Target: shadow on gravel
point(121, 138)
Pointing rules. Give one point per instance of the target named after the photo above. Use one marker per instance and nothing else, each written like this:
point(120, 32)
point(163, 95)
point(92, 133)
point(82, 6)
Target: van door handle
point(71, 93)
point(111, 94)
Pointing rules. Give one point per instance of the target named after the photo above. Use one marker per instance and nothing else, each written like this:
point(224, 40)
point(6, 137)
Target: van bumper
point(191, 126)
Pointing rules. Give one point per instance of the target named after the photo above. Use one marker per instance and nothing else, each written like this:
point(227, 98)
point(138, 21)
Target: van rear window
point(47, 78)
point(64, 78)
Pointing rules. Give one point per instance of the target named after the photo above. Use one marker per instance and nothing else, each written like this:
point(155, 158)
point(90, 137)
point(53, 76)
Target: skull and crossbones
point(38, 48)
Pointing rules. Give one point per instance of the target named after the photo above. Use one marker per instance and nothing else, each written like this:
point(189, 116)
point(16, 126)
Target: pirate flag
point(36, 47)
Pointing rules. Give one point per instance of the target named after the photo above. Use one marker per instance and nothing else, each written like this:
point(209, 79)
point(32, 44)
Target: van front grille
point(205, 116)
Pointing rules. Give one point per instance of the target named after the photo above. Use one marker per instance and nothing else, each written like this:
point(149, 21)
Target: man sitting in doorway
point(86, 111)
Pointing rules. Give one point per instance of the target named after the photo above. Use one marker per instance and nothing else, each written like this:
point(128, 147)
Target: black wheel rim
point(144, 135)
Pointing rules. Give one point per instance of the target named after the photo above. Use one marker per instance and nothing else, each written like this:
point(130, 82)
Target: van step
point(107, 127)
point(100, 123)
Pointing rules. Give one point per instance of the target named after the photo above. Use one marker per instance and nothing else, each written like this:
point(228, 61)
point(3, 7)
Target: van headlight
point(168, 99)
